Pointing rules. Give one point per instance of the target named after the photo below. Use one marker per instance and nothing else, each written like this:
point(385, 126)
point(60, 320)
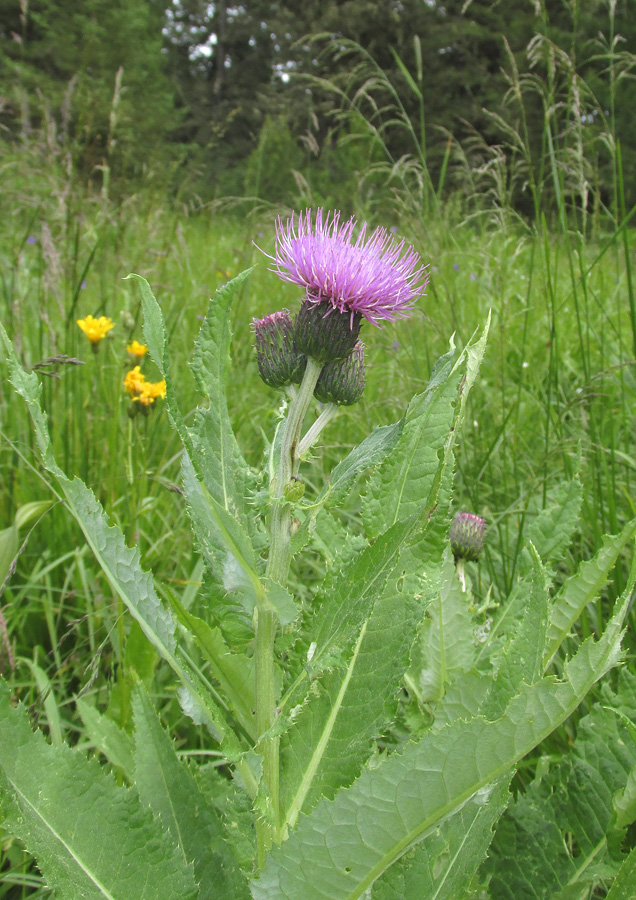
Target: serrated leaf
point(349, 706)
point(446, 639)
point(530, 859)
point(233, 671)
point(219, 458)
point(91, 838)
point(402, 483)
point(583, 587)
point(552, 530)
point(410, 475)
point(443, 864)
point(210, 442)
point(624, 885)
point(344, 846)
point(522, 659)
point(167, 786)
point(370, 452)
point(107, 737)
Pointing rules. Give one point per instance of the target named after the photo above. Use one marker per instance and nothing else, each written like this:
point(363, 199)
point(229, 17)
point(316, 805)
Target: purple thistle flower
point(31, 240)
point(374, 276)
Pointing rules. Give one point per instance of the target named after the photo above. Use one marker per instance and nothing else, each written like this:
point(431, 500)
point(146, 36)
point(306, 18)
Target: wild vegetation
point(518, 194)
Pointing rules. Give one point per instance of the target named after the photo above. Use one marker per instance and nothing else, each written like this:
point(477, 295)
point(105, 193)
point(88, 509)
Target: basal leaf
point(443, 864)
point(167, 786)
point(91, 839)
point(345, 845)
point(530, 857)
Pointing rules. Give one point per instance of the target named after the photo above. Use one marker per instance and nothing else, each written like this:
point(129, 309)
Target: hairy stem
point(266, 620)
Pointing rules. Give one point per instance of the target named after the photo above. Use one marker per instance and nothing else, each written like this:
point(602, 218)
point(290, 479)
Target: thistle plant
point(368, 725)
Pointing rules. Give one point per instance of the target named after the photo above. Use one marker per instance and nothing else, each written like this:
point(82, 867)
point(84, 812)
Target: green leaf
point(346, 844)
point(446, 642)
point(349, 706)
point(552, 530)
point(91, 838)
point(107, 737)
point(401, 485)
point(522, 660)
point(233, 671)
point(370, 452)
point(410, 476)
point(443, 864)
point(583, 587)
point(167, 786)
point(9, 545)
point(531, 857)
point(210, 442)
point(624, 886)
point(30, 511)
point(218, 457)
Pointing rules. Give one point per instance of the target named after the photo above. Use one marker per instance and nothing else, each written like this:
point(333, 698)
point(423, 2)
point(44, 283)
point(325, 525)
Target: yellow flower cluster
point(142, 391)
point(95, 329)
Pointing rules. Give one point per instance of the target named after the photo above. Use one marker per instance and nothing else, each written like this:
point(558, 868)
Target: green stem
point(278, 562)
point(266, 620)
point(310, 438)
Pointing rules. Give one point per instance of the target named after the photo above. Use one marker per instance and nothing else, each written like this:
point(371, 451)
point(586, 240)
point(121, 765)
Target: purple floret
point(376, 276)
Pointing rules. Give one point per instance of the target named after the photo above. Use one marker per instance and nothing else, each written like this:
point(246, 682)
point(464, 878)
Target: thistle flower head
point(342, 381)
point(279, 361)
point(467, 536)
point(95, 329)
point(373, 275)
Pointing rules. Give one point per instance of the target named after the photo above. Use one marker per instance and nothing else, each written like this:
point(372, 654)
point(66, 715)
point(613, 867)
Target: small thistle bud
point(279, 362)
point(294, 490)
point(342, 382)
point(467, 536)
point(324, 333)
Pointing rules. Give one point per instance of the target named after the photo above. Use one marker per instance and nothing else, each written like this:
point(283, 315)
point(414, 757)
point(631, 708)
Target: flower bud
point(324, 333)
point(294, 490)
point(279, 362)
point(342, 382)
point(467, 536)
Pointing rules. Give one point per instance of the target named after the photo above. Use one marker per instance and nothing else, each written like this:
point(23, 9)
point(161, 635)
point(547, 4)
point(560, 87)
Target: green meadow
point(554, 404)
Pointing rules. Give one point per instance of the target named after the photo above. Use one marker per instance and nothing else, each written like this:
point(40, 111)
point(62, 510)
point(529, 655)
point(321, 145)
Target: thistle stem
point(266, 620)
point(312, 433)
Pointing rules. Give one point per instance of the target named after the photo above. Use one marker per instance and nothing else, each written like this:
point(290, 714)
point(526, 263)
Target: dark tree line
point(226, 94)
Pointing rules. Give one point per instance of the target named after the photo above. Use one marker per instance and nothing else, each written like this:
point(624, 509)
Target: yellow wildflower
point(134, 382)
point(137, 350)
point(95, 329)
point(142, 391)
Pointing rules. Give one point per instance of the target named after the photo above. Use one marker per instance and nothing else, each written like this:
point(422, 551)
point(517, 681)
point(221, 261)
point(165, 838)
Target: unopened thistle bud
point(342, 382)
point(467, 536)
point(279, 362)
point(324, 333)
